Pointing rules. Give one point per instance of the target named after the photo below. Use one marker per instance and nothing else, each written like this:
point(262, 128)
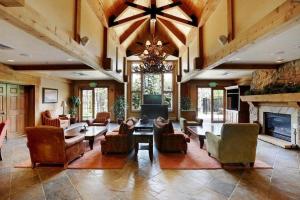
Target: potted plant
point(119, 109)
point(74, 102)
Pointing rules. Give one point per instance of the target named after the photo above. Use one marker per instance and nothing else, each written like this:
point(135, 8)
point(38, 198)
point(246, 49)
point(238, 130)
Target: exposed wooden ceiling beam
point(130, 30)
point(125, 20)
point(51, 67)
point(134, 5)
point(97, 7)
point(246, 66)
point(77, 20)
point(178, 19)
point(230, 19)
point(36, 25)
point(187, 10)
point(119, 11)
point(208, 10)
point(170, 26)
point(279, 19)
point(12, 3)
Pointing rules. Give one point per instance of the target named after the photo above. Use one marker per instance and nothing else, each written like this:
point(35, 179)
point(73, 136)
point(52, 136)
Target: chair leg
point(251, 164)
point(208, 154)
point(0, 155)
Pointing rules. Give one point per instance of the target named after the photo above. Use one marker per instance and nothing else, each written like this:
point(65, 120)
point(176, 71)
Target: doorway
point(210, 104)
point(15, 102)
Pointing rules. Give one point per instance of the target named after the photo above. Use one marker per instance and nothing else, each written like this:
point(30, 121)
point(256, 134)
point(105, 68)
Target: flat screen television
point(154, 111)
point(152, 99)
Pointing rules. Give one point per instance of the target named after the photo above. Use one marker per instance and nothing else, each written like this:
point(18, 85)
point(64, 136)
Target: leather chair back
point(46, 144)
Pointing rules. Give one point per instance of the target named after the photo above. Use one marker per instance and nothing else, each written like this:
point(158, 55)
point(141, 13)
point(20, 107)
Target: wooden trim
point(179, 76)
point(130, 30)
point(97, 7)
point(12, 3)
point(51, 67)
point(284, 15)
point(171, 5)
point(77, 20)
point(200, 60)
point(247, 66)
point(134, 5)
point(230, 20)
point(180, 36)
point(118, 11)
point(125, 76)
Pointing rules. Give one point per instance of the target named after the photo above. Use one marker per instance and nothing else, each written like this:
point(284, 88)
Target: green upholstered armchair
point(237, 143)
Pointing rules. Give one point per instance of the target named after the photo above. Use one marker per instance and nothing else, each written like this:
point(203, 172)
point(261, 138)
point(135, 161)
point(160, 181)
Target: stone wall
point(287, 73)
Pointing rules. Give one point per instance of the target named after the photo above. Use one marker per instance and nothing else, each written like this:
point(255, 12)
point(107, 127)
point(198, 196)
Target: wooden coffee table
point(143, 137)
point(90, 134)
point(200, 131)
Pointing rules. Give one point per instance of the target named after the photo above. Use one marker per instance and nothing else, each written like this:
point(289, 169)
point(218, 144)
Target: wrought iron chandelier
point(153, 58)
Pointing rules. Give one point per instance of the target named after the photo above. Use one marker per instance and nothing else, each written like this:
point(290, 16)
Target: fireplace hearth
point(278, 125)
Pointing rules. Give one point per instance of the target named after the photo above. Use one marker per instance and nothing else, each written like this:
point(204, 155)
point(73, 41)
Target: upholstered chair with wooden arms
point(47, 120)
point(102, 119)
point(47, 145)
point(3, 128)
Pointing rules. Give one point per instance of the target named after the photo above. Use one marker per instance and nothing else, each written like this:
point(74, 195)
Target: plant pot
point(73, 120)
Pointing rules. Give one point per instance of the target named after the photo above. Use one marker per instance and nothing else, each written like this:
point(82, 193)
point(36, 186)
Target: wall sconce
point(223, 40)
point(84, 40)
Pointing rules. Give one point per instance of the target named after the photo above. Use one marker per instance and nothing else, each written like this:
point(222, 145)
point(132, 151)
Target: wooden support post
point(117, 59)
point(179, 76)
point(125, 76)
point(77, 20)
point(230, 20)
point(200, 60)
point(106, 62)
point(188, 61)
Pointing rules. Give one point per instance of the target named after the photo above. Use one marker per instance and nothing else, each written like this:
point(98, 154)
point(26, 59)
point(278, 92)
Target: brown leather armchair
point(102, 119)
point(120, 141)
point(61, 122)
point(3, 128)
point(168, 140)
point(47, 145)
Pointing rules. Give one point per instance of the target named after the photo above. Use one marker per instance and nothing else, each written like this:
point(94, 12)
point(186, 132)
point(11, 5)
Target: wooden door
point(21, 111)
point(2, 102)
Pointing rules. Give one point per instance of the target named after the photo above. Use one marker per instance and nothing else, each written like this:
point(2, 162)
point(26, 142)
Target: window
point(87, 104)
point(101, 100)
point(93, 101)
point(136, 89)
point(156, 84)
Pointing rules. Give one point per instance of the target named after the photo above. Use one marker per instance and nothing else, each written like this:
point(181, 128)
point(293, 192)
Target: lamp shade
point(63, 104)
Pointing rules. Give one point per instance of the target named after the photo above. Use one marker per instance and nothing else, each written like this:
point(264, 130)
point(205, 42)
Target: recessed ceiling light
point(69, 59)
point(10, 60)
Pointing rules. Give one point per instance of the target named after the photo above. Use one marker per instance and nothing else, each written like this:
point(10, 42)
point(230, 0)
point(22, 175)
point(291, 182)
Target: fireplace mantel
point(291, 99)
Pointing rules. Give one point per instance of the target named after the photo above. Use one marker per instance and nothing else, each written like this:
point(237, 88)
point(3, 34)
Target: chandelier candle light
point(153, 58)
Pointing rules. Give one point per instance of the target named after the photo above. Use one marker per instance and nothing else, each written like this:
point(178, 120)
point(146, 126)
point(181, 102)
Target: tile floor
point(142, 180)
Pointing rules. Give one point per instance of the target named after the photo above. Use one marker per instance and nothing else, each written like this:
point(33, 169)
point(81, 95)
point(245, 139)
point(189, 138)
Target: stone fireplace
point(286, 128)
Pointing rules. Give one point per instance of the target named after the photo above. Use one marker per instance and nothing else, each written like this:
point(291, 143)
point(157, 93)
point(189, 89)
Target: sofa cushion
point(125, 129)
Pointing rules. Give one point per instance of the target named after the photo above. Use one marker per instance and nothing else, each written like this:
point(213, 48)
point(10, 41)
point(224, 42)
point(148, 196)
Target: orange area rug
point(92, 159)
point(197, 158)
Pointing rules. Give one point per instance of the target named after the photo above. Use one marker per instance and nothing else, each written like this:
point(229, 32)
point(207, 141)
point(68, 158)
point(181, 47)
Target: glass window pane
point(168, 82)
point(101, 100)
point(136, 101)
point(136, 82)
point(87, 104)
point(168, 99)
point(152, 84)
point(218, 102)
point(204, 104)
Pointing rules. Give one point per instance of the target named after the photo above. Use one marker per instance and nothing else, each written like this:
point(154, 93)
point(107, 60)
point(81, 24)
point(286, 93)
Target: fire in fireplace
point(278, 125)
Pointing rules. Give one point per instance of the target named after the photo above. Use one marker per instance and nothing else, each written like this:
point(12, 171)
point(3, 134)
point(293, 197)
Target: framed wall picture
point(50, 95)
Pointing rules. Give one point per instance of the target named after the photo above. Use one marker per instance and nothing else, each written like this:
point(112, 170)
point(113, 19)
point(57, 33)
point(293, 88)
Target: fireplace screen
point(278, 125)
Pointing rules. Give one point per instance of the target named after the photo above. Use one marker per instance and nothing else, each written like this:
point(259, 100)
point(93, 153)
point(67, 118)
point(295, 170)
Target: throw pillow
point(48, 114)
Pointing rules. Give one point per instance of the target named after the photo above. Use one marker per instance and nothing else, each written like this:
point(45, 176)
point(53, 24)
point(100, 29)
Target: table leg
point(201, 140)
point(91, 143)
point(151, 150)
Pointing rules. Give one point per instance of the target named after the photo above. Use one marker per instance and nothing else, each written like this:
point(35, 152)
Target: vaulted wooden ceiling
point(174, 19)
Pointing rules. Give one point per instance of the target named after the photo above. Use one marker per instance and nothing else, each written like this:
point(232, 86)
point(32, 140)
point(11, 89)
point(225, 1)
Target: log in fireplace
point(278, 125)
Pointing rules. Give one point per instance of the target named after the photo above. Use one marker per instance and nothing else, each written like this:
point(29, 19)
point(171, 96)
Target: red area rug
point(92, 159)
point(197, 158)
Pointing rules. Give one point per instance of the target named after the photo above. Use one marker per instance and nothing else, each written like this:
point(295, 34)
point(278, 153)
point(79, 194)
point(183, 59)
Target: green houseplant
point(185, 103)
point(119, 109)
point(74, 102)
